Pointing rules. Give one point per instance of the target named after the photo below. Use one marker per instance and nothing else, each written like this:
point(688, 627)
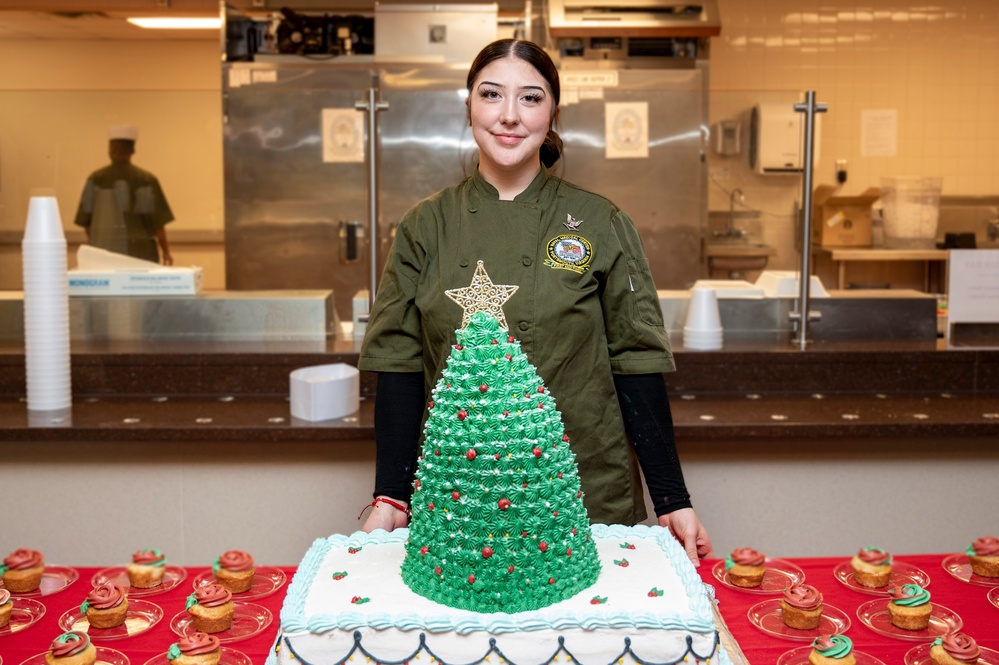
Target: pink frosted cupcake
point(6, 606)
point(984, 556)
point(22, 570)
point(745, 567)
point(195, 649)
point(72, 648)
point(211, 608)
point(955, 649)
point(801, 607)
point(147, 569)
point(106, 606)
point(234, 570)
point(872, 567)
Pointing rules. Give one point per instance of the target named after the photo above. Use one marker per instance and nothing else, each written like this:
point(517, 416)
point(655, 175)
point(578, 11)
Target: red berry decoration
point(509, 569)
point(568, 551)
point(543, 546)
point(497, 455)
point(565, 437)
point(462, 414)
point(508, 357)
point(430, 405)
point(483, 388)
point(579, 494)
point(456, 495)
point(551, 580)
point(437, 571)
point(504, 504)
point(554, 513)
point(437, 452)
point(487, 552)
point(458, 347)
point(541, 389)
point(471, 579)
point(559, 475)
point(470, 454)
point(424, 550)
point(506, 413)
point(540, 405)
point(495, 341)
point(416, 484)
point(510, 339)
point(536, 451)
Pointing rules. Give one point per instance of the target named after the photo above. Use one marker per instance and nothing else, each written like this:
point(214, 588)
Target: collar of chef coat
point(487, 191)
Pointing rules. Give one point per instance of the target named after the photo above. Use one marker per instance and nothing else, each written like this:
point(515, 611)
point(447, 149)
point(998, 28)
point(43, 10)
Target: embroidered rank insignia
point(569, 252)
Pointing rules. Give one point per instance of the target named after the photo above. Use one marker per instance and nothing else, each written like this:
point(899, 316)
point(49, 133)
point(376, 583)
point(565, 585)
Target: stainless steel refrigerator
point(311, 181)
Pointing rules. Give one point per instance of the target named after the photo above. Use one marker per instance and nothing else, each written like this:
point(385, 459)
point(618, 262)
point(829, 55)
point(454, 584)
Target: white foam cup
point(703, 330)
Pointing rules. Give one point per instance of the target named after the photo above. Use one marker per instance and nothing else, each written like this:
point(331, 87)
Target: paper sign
point(879, 133)
point(626, 129)
point(343, 135)
point(973, 286)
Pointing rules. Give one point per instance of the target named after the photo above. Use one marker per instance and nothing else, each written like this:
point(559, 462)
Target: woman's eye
point(488, 94)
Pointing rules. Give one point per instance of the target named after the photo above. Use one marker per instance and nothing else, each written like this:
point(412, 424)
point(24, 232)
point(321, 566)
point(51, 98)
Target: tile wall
point(935, 63)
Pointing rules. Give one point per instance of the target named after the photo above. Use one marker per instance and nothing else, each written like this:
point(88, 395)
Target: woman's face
point(510, 108)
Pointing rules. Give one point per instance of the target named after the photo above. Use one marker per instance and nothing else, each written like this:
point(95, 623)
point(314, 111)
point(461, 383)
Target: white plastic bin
point(324, 392)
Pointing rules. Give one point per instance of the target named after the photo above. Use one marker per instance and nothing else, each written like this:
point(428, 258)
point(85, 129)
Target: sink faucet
point(730, 230)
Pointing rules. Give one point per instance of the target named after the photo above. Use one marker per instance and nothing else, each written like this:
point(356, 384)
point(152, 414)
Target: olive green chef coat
point(124, 206)
point(586, 307)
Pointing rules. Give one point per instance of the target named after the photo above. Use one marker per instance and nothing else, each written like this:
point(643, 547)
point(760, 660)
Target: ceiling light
point(176, 23)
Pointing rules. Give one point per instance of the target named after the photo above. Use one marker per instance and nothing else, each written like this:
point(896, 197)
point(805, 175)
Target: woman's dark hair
point(535, 56)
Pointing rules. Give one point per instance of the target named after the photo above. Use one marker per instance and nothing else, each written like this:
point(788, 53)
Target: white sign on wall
point(973, 286)
point(343, 135)
point(626, 129)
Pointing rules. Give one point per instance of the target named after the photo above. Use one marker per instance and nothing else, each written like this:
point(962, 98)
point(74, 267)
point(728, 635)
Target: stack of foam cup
point(46, 307)
point(702, 330)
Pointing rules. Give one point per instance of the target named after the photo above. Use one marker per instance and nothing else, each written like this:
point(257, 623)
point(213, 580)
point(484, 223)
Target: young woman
point(585, 311)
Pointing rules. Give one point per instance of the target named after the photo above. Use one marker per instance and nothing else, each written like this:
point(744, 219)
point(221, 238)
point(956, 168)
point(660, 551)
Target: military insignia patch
point(569, 252)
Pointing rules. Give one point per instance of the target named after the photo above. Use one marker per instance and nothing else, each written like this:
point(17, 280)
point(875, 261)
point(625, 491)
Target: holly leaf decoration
point(621, 562)
point(597, 600)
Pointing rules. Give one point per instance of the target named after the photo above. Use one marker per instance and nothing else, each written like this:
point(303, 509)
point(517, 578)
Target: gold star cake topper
point(482, 296)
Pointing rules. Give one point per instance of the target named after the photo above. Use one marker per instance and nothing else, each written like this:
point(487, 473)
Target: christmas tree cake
point(500, 558)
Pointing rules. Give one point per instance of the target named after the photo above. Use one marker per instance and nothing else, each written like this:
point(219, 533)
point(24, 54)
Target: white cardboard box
point(103, 273)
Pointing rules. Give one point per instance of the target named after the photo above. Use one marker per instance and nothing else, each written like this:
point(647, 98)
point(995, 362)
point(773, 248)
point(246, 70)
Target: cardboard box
point(842, 221)
point(103, 273)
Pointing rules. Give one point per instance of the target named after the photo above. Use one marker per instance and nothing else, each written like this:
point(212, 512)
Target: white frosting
point(320, 624)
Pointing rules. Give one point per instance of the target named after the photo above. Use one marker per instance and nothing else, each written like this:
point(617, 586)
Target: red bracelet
point(395, 504)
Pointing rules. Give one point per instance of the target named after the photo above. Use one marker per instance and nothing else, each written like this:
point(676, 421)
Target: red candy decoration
point(497, 455)
point(437, 570)
point(540, 405)
point(483, 388)
point(508, 357)
point(456, 495)
point(565, 437)
point(458, 347)
point(543, 546)
point(509, 569)
point(470, 455)
point(536, 451)
point(541, 389)
point(559, 475)
point(551, 580)
point(430, 404)
point(554, 513)
point(437, 452)
point(424, 550)
point(471, 579)
point(487, 552)
point(462, 414)
point(504, 504)
point(494, 341)
point(416, 484)
point(568, 551)
point(510, 339)
point(506, 413)
point(579, 494)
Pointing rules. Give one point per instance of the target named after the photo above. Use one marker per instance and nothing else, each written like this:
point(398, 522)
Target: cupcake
point(234, 570)
point(984, 556)
point(745, 567)
point(954, 649)
point(801, 607)
point(211, 608)
point(6, 605)
point(195, 649)
point(910, 607)
point(147, 569)
point(22, 570)
point(832, 650)
point(72, 648)
point(872, 567)
point(106, 606)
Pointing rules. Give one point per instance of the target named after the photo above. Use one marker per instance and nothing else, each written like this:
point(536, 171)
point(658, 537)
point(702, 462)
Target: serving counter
point(790, 451)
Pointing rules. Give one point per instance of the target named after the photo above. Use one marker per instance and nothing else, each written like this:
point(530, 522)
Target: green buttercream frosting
point(84, 607)
point(216, 566)
point(173, 652)
point(3, 569)
point(917, 596)
point(729, 562)
point(840, 648)
point(937, 642)
point(971, 550)
point(191, 601)
point(498, 519)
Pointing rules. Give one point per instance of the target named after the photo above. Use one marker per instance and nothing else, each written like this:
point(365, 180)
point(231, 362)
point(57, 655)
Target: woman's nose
point(508, 114)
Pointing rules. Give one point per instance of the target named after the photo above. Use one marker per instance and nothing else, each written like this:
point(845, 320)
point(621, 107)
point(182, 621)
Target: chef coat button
point(473, 209)
point(523, 326)
point(463, 263)
point(526, 261)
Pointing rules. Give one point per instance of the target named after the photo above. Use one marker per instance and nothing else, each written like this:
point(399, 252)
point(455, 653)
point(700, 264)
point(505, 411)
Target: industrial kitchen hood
point(633, 18)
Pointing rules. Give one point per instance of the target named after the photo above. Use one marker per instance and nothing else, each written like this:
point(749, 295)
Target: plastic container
point(911, 210)
point(323, 392)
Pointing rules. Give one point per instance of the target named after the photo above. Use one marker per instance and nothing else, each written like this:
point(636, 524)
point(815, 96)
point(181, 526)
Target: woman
point(585, 312)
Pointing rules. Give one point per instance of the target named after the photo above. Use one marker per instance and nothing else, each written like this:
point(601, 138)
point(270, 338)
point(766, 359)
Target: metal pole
point(372, 105)
point(802, 315)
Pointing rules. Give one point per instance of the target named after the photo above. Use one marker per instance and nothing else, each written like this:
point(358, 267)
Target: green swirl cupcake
point(910, 607)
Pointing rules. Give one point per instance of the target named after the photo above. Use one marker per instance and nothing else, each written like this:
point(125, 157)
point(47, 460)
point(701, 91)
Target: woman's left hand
point(687, 529)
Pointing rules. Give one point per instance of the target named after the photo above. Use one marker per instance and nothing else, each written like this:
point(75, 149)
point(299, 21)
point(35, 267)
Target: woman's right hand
point(385, 516)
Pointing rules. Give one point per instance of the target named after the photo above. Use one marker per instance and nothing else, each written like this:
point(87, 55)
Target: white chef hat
point(123, 132)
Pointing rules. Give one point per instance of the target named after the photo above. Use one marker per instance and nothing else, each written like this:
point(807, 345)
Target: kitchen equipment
point(911, 207)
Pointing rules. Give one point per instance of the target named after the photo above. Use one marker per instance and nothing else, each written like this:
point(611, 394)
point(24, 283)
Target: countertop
point(239, 392)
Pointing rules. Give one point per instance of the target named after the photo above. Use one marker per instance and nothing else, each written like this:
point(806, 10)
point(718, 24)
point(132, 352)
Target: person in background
point(585, 312)
point(123, 208)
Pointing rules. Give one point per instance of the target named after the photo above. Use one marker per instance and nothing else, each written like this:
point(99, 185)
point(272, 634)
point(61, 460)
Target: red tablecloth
point(17, 647)
point(970, 602)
